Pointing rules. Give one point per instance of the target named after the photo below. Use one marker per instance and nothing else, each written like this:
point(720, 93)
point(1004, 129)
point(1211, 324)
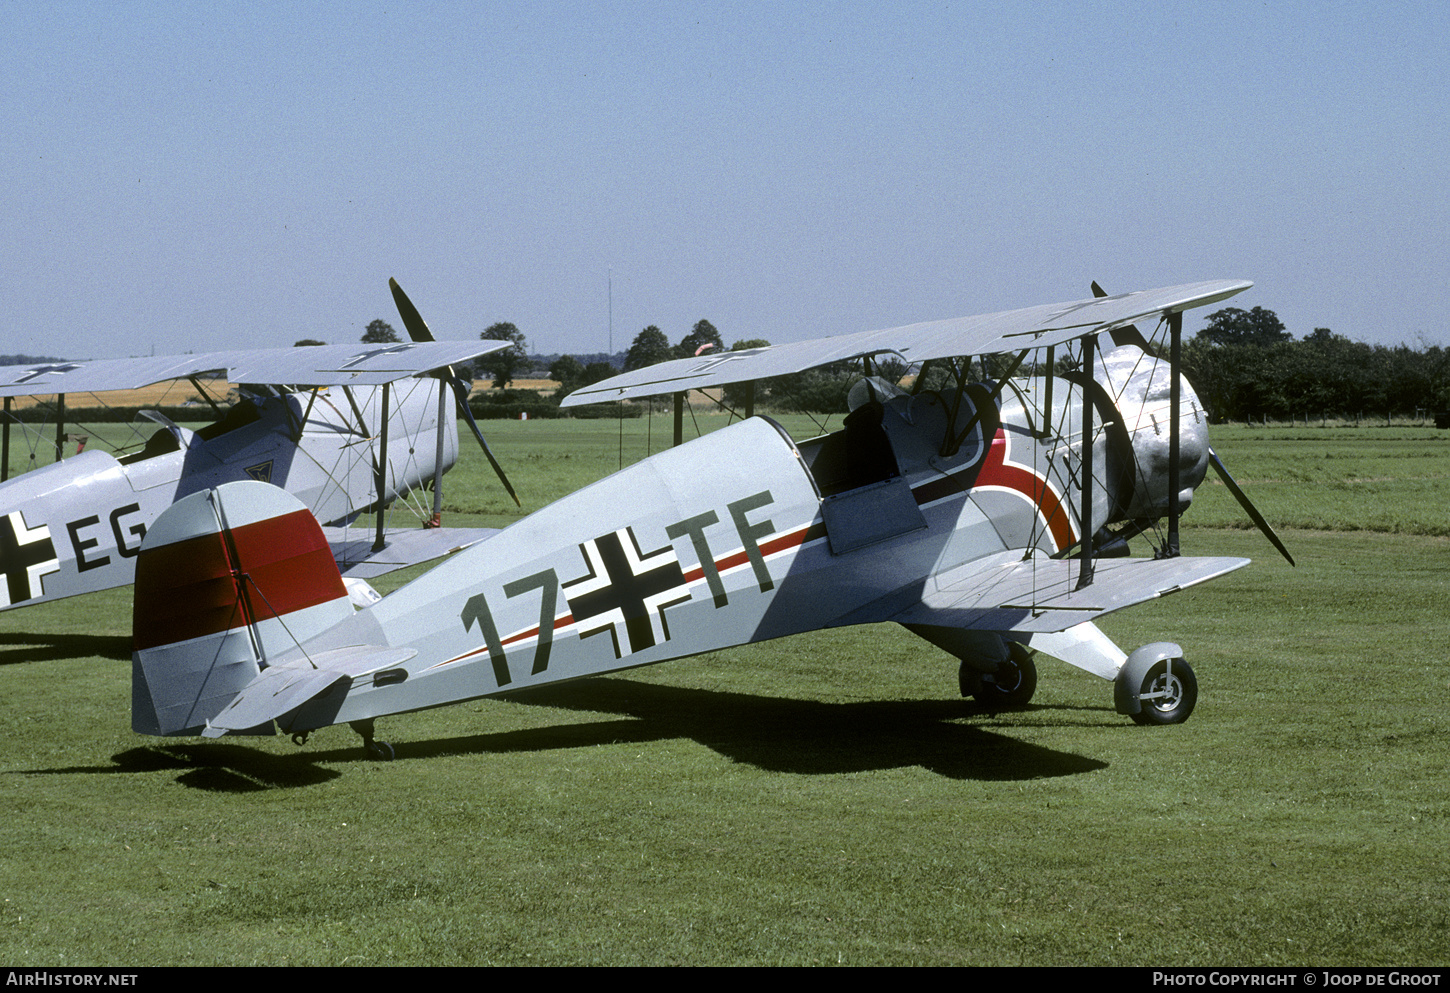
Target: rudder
point(226, 579)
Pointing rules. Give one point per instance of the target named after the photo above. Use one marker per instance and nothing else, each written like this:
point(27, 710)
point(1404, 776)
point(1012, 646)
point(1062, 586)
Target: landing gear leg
point(996, 670)
point(378, 751)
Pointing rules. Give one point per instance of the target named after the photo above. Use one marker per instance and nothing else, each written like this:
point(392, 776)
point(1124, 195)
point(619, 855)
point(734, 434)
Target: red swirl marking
point(997, 471)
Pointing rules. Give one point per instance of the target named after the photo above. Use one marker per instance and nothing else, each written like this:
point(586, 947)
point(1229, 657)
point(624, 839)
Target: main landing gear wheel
point(1012, 685)
point(1169, 692)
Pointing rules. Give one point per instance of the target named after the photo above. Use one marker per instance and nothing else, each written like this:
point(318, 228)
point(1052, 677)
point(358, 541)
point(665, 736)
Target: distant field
point(1381, 479)
point(824, 799)
point(157, 395)
point(542, 385)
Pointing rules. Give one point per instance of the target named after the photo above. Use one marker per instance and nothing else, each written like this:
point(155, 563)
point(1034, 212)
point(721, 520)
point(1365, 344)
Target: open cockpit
point(864, 472)
point(172, 437)
point(892, 434)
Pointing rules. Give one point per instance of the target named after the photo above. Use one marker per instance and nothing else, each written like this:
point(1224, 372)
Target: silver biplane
point(986, 517)
point(346, 429)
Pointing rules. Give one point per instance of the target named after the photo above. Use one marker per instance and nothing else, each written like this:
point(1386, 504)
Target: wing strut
point(952, 443)
point(1175, 333)
point(1085, 525)
point(196, 384)
point(437, 520)
point(59, 426)
point(382, 467)
point(362, 423)
point(298, 427)
point(1046, 428)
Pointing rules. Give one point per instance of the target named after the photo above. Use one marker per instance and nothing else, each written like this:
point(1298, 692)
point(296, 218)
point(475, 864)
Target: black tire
point(379, 751)
point(1167, 697)
point(1014, 682)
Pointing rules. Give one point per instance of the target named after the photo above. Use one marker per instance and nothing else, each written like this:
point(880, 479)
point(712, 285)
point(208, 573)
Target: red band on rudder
point(190, 588)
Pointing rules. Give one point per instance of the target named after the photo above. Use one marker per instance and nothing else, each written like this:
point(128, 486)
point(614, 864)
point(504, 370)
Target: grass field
point(825, 799)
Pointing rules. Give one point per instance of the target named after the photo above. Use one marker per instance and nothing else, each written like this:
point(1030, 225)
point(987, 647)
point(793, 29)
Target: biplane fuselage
point(742, 535)
point(76, 526)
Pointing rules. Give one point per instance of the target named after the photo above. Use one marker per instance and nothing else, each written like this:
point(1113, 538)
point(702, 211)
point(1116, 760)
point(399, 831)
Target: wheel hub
point(1164, 693)
point(1007, 677)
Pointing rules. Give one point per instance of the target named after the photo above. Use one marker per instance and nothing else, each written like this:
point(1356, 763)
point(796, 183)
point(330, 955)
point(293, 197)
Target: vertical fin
point(226, 578)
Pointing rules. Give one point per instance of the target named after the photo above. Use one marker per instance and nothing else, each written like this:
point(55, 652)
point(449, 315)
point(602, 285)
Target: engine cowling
point(1139, 385)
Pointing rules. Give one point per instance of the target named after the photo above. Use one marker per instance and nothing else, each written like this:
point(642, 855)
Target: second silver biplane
point(980, 515)
point(347, 429)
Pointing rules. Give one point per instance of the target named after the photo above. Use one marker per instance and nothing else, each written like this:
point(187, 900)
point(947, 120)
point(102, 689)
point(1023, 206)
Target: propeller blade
point(412, 320)
point(1126, 335)
point(418, 331)
point(460, 391)
point(1248, 506)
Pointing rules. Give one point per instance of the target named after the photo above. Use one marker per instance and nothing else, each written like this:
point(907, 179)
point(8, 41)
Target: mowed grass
point(825, 799)
point(1339, 479)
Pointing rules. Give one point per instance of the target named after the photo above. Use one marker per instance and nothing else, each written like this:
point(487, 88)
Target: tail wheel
point(1170, 690)
point(1014, 682)
point(379, 751)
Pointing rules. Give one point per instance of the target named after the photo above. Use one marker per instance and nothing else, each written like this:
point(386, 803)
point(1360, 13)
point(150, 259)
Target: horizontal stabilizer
point(352, 548)
point(1041, 595)
point(282, 688)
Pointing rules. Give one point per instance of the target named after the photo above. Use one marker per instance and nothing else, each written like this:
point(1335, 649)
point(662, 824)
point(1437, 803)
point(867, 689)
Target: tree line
point(1246, 366)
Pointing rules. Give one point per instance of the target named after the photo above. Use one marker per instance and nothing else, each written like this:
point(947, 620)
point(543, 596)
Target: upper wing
point(1041, 595)
point(1012, 330)
point(318, 365)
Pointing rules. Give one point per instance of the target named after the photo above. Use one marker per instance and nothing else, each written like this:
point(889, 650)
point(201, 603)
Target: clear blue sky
point(190, 176)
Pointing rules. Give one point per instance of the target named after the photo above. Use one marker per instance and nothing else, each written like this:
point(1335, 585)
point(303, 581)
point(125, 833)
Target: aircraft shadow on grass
point(17, 647)
point(216, 768)
point(779, 734)
point(803, 737)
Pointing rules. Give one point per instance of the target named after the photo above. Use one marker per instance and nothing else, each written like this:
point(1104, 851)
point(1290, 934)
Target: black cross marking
point(625, 590)
point(365, 356)
point(41, 370)
point(1082, 305)
point(23, 550)
point(720, 360)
